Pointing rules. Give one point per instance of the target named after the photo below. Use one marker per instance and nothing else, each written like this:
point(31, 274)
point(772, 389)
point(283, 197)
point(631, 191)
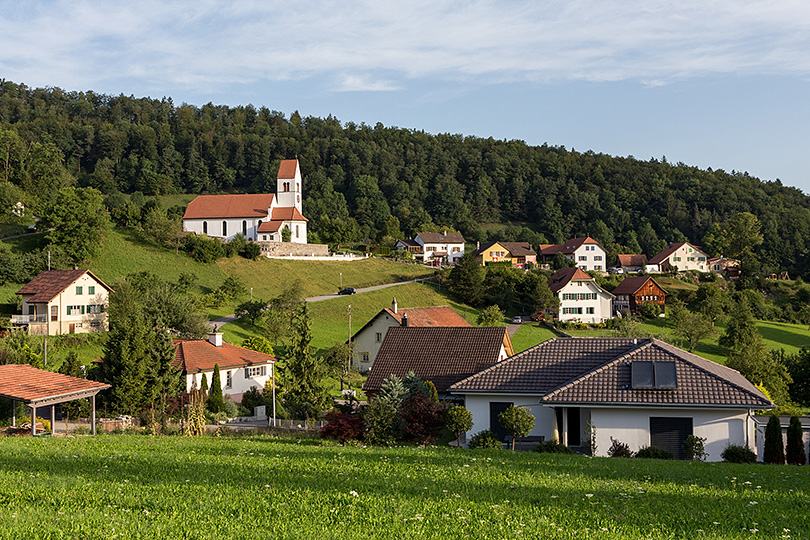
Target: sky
point(711, 83)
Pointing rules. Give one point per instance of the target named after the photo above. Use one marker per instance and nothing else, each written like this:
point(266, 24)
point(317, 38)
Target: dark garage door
point(670, 434)
point(496, 408)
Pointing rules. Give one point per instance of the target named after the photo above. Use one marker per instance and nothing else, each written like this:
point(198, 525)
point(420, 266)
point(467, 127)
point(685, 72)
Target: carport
point(38, 388)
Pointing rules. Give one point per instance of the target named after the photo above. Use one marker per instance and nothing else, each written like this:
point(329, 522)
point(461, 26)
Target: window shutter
point(68, 310)
point(82, 309)
point(247, 373)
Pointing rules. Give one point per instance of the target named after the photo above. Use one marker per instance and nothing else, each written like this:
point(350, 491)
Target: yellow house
point(492, 252)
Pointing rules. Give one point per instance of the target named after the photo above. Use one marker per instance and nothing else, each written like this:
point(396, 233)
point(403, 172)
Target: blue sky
point(722, 84)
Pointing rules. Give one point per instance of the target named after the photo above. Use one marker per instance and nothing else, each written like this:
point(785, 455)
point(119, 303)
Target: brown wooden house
point(634, 291)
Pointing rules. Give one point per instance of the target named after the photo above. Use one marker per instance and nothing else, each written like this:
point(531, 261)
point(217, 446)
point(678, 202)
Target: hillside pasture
point(137, 486)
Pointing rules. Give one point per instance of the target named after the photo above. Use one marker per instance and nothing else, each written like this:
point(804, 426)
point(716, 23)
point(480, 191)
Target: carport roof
point(39, 387)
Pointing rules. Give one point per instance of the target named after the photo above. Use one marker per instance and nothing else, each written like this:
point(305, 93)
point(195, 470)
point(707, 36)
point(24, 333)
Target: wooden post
point(93, 414)
point(53, 419)
point(33, 419)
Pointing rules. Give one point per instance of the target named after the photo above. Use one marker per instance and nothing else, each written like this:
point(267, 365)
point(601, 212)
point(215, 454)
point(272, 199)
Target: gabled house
point(640, 392)
point(587, 253)
point(631, 263)
point(637, 290)
point(516, 253)
point(724, 265)
point(64, 302)
point(442, 355)
point(240, 369)
point(260, 217)
point(581, 298)
point(682, 255)
point(411, 246)
point(443, 248)
point(368, 340)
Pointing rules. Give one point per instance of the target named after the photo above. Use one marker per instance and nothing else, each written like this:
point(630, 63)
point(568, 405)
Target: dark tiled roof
point(597, 371)
point(631, 285)
point(443, 355)
point(229, 206)
point(567, 248)
point(195, 355)
point(46, 286)
point(439, 238)
point(410, 243)
point(658, 259)
point(632, 260)
point(563, 276)
point(27, 383)
point(519, 249)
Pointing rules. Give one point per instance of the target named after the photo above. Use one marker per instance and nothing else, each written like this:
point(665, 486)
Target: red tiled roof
point(287, 168)
point(410, 243)
point(597, 371)
point(46, 286)
point(439, 238)
point(251, 205)
point(658, 259)
point(288, 213)
point(428, 316)
point(442, 355)
point(27, 383)
point(270, 226)
point(631, 285)
point(567, 248)
point(563, 276)
point(632, 260)
point(195, 355)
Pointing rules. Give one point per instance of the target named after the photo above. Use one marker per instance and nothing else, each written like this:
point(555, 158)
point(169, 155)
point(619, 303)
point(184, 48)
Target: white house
point(260, 216)
point(367, 341)
point(682, 255)
point(587, 253)
point(641, 392)
point(64, 302)
point(581, 299)
point(441, 247)
point(240, 369)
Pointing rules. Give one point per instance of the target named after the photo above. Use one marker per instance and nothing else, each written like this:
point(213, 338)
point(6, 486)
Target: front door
point(495, 409)
point(670, 434)
point(72, 328)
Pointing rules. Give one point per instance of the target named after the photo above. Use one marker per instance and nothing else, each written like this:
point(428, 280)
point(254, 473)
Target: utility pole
point(341, 284)
point(349, 359)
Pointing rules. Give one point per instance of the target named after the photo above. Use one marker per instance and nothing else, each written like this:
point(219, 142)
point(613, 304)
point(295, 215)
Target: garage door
point(670, 434)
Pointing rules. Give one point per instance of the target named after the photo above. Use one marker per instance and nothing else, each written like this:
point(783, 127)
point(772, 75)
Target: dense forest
point(373, 183)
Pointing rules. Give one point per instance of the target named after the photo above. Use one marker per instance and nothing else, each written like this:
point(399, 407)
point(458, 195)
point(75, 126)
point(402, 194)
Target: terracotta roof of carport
point(29, 384)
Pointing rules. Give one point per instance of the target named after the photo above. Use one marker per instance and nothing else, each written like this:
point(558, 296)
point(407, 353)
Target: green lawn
point(137, 486)
point(529, 335)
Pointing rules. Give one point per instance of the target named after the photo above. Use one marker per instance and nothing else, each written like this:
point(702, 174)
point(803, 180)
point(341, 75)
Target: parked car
point(347, 290)
point(517, 319)
point(616, 270)
point(537, 316)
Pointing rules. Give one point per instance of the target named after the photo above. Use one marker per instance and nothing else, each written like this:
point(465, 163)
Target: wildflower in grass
point(353, 493)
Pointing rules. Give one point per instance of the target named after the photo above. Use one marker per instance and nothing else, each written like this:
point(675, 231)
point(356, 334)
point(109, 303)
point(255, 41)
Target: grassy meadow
point(138, 486)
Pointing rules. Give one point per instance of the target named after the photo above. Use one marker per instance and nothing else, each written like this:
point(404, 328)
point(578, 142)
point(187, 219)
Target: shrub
point(735, 453)
point(553, 447)
point(649, 310)
point(485, 439)
point(518, 421)
point(619, 449)
point(421, 418)
point(252, 398)
point(774, 445)
point(342, 426)
point(378, 420)
point(252, 251)
point(795, 442)
point(653, 452)
point(693, 448)
point(457, 420)
point(203, 248)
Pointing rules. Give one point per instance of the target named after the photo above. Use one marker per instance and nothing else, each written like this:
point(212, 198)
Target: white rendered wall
point(239, 385)
point(591, 263)
point(601, 305)
point(366, 341)
point(233, 227)
point(478, 405)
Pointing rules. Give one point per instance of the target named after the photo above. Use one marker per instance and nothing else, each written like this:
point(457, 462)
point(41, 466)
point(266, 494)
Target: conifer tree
point(204, 384)
point(774, 446)
point(467, 280)
point(392, 390)
point(215, 401)
point(306, 395)
point(795, 442)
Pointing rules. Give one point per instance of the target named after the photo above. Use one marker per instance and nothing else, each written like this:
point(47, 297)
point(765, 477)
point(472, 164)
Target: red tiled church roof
point(251, 205)
point(287, 168)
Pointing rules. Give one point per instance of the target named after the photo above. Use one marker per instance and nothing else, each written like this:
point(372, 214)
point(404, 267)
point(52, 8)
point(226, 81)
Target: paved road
point(219, 323)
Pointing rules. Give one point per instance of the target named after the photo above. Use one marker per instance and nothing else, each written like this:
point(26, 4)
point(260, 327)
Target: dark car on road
point(347, 290)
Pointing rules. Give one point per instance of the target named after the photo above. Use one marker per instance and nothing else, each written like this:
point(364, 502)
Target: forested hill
point(51, 137)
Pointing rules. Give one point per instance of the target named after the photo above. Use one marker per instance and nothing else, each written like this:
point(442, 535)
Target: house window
point(597, 267)
point(264, 237)
point(30, 309)
point(75, 310)
point(597, 257)
point(244, 227)
point(296, 232)
point(205, 227)
point(95, 324)
point(228, 380)
point(590, 310)
point(364, 357)
point(91, 289)
point(94, 308)
point(54, 313)
point(258, 371)
point(583, 257)
point(224, 228)
point(78, 289)
point(379, 337)
point(456, 249)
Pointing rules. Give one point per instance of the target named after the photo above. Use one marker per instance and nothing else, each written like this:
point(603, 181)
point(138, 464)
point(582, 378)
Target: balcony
point(28, 319)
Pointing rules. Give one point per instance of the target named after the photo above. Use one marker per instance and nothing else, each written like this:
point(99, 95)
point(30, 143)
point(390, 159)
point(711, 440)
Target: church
point(261, 217)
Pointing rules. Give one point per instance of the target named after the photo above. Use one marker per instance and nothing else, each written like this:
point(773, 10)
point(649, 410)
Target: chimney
point(215, 338)
point(75, 266)
point(404, 319)
point(445, 232)
point(477, 244)
point(394, 305)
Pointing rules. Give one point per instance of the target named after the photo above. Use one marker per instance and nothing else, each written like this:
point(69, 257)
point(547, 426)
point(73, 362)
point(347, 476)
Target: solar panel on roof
point(665, 375)
point(642, 374)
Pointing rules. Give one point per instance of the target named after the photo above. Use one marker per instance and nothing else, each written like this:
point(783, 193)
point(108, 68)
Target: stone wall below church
point(285, 249)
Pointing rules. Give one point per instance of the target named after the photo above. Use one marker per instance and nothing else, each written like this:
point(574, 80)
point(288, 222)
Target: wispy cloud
point(210, 45)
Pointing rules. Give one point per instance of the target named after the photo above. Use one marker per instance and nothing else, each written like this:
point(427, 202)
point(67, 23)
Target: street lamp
point(251, 294)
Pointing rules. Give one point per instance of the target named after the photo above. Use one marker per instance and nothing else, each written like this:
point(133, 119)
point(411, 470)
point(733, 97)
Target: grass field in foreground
point(136, 486)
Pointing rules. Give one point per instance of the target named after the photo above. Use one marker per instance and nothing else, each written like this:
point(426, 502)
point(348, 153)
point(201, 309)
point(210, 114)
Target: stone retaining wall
point(286, 249)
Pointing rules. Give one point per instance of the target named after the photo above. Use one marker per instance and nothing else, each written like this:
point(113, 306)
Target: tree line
point(369, 183)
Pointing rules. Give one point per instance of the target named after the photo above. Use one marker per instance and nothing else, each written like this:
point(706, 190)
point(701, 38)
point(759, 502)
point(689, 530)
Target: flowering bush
point(341, 426)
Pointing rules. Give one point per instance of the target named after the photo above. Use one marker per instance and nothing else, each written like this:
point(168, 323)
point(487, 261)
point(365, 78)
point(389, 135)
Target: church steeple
point(288, 184)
